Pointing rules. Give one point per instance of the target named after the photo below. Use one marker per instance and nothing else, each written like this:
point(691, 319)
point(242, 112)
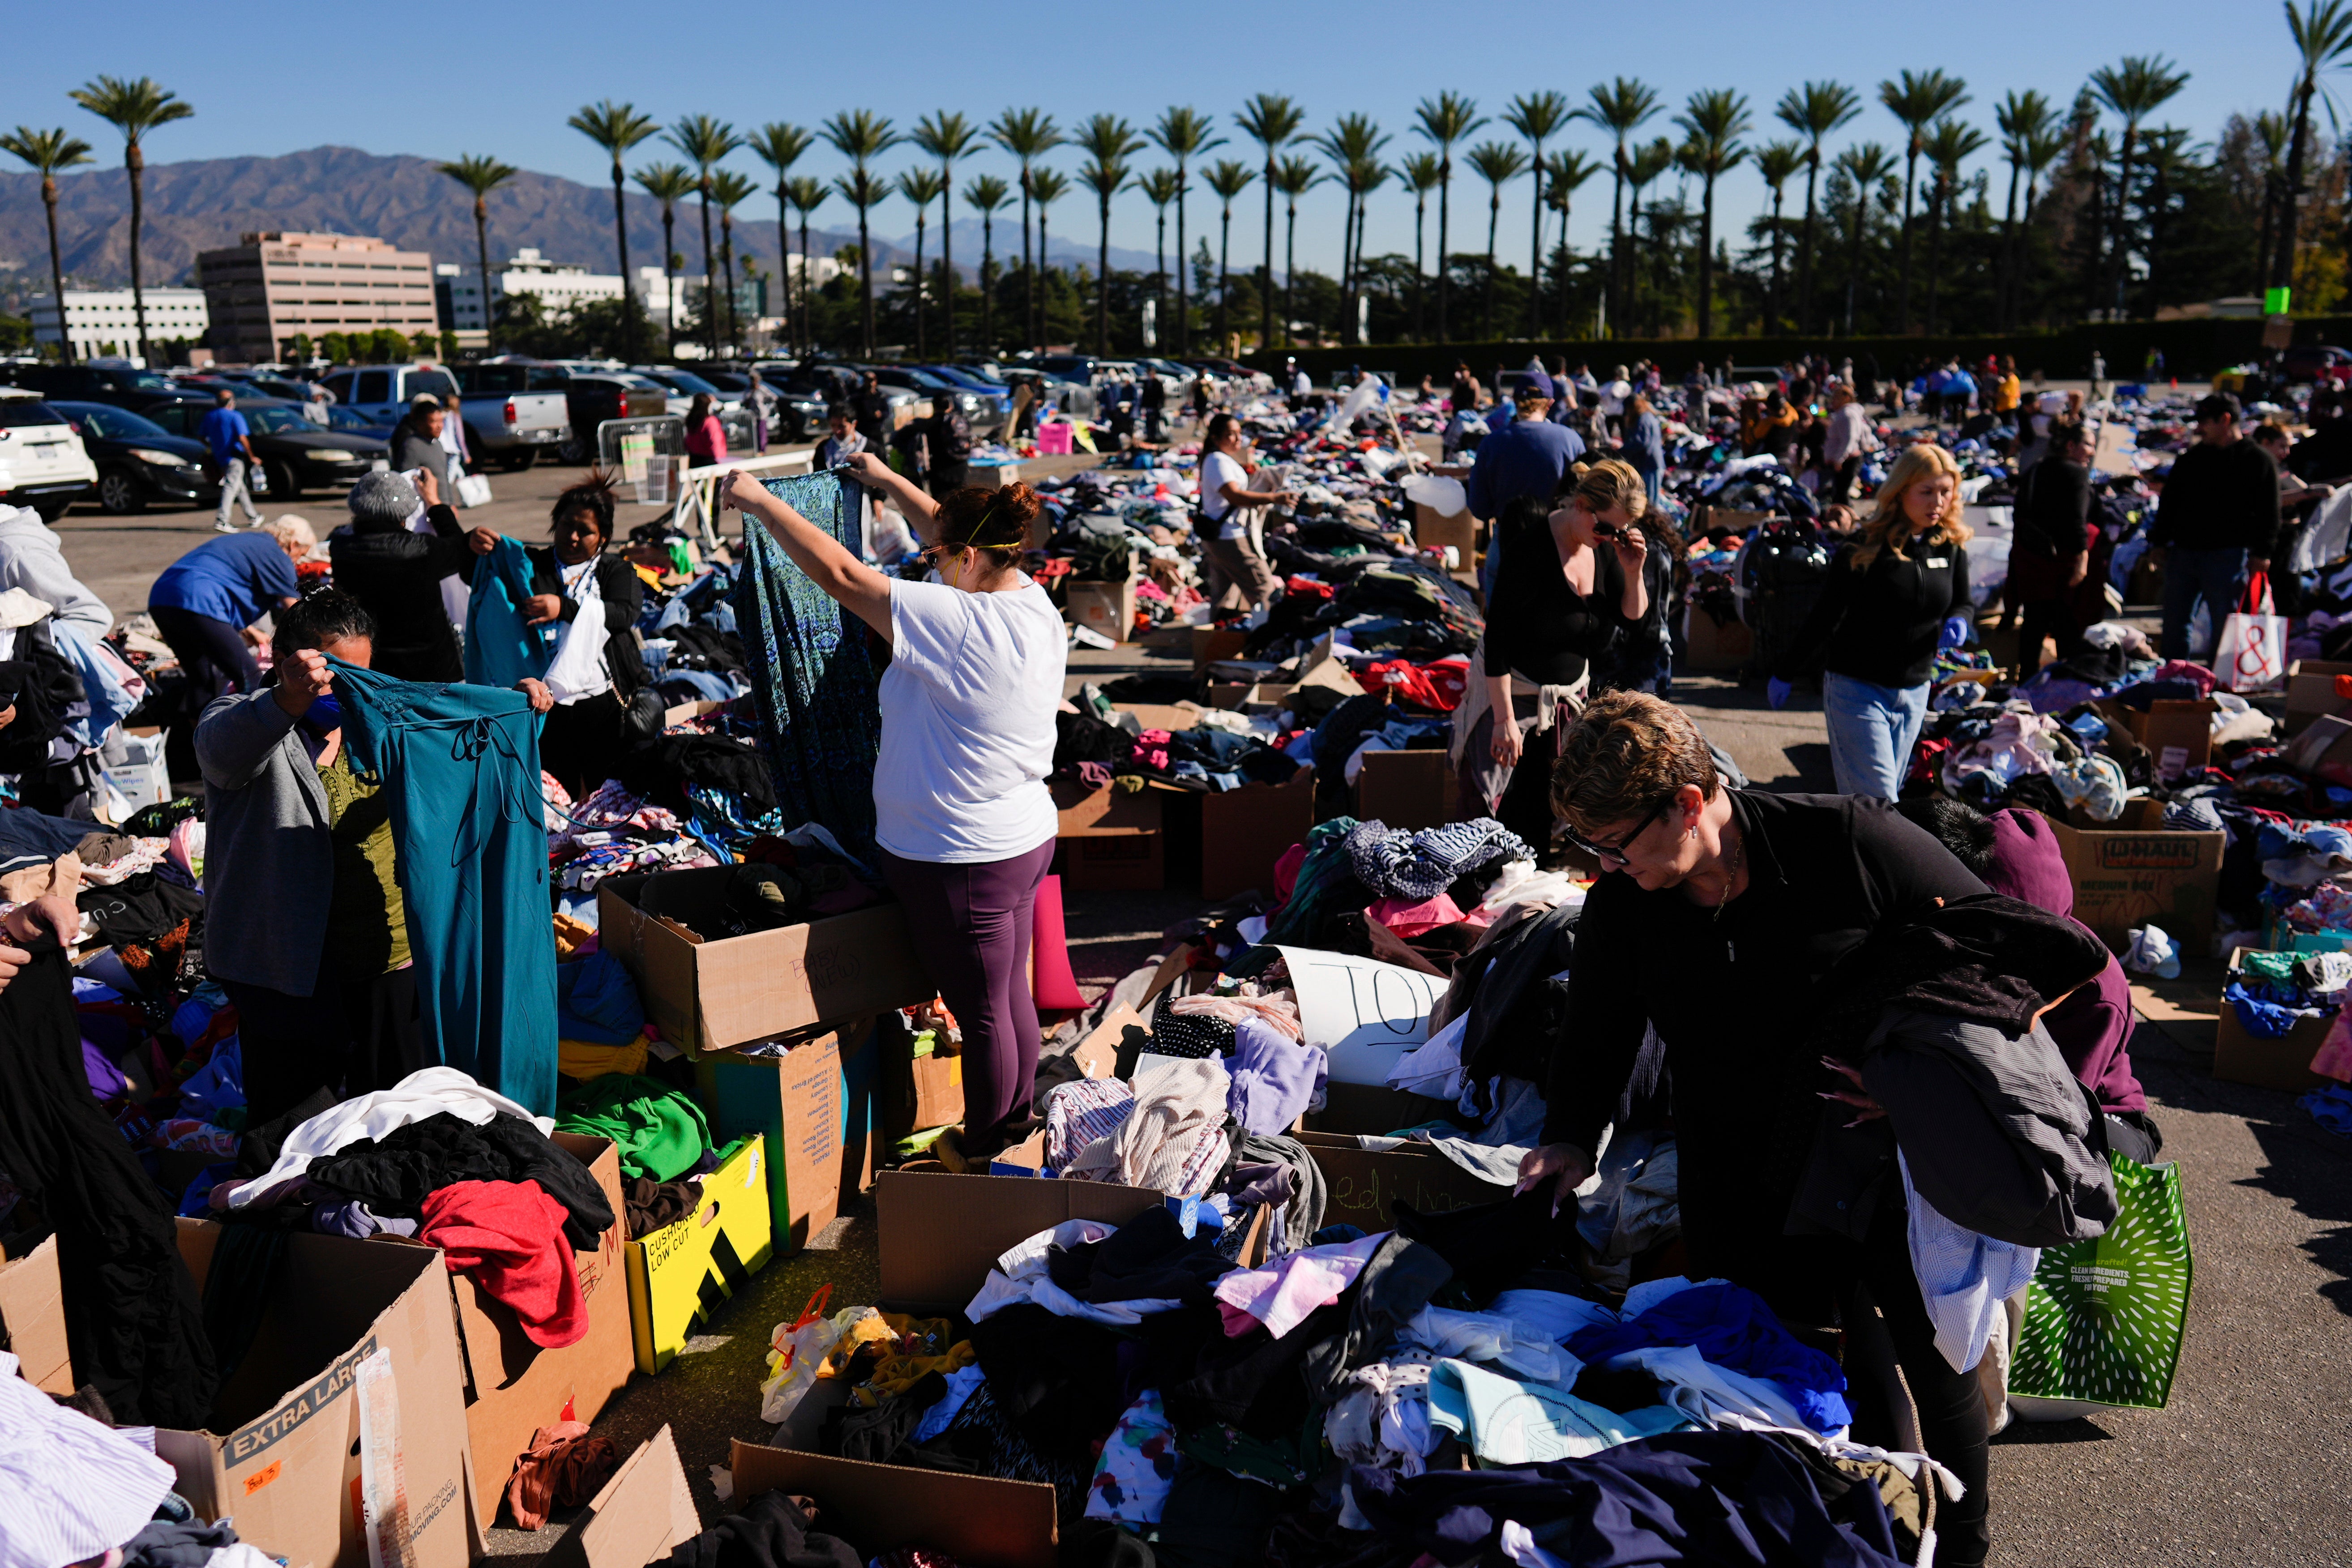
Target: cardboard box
point(644, 1514)
point(2311, 692)
point(2240, 1056)
point(33, 1318)
point(1364, 1182)
point(914, 1093)
point(1109, 838)
point(2133, 870)
point(1211, 644)
point(678, 1273)
point(709, 995)
point(287, 1465)
point(1244, 831)
point(1432, 528)
point(799, 1104)
point(672, 716)
point(974, 1520)
point(2177, 733)
point(1407, 790)
point(942, 1232)
point(1105, 607)
point(1711, 647)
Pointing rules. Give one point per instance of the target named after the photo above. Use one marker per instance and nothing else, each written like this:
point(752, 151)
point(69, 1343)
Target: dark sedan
point(139, 462)
point(295, 454)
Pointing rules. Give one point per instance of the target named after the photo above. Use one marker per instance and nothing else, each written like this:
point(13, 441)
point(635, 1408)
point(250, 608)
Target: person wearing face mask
point(963, 822)
point(585, 734)
point(1570, 583)
point(1893, 595)
point(1234, 549)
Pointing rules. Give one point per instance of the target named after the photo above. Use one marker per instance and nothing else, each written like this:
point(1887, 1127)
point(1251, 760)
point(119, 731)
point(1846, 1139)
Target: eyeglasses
point(1616, 857)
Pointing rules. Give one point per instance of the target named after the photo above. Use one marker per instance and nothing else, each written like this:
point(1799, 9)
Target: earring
point(1692, 834)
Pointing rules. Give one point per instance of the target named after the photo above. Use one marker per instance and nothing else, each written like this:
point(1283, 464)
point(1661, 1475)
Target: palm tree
point(1443, 121)
point(1538, 117)
point(1644, 166)
point(986, 196)
point(1916, 98)
point(47, 151)
point(780, 146)
point(1421, 174)
point(2270, 135)
point(947, 137)
point(807, 193)
point(705, 140)
point(922, 187)
point(2322, 40)
point(1028, 135)
point(2022, 119)
point(1107, 142)
point(1269, 120)
point(1497, 164)
point(1866, 166)
point(1363, 177)
point(1948, 145)
point(1159, 188)
point(2132, 92)
point(480, 175)
point(669, 183)
point(1712, 122)
point(1564, 172)
point(1048, 186)
point(1294, 177)
point(134, 108)
point(1777, 162)
point(1620, 108)
point(1812, 112)
point(1354, 145)
point(617, 128)
point(1184, 134)
point(729, 190)
point(861, 136)
point(1228, 179)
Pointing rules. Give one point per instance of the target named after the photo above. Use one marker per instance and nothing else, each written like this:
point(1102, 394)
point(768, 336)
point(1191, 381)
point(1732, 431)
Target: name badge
point(1935, 561)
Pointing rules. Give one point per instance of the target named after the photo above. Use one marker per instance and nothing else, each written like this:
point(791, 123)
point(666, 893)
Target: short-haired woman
point(962, 817)
point(1568, 583)
point(1233, 546)
point(1880, 619)
point(583, 735)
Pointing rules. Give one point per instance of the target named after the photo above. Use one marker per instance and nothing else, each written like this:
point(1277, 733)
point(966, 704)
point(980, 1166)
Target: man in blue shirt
point(1525, 457)
point(231, 440)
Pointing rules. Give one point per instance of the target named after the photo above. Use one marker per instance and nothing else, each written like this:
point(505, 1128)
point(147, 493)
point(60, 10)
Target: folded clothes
point(1420, 866)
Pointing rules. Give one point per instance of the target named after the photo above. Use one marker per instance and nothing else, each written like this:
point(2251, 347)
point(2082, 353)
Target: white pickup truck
point(512, 411)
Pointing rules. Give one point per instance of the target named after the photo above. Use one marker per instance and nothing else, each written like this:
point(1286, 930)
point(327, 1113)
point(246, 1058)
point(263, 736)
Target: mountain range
point(208, 203)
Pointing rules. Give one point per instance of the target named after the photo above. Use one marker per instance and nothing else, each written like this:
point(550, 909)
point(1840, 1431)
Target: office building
point(101, 324)
point(266, 290)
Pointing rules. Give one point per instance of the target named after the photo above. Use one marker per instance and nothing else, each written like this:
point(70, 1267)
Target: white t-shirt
point(1219, 469)
point(1613, 396)
point(967, 707)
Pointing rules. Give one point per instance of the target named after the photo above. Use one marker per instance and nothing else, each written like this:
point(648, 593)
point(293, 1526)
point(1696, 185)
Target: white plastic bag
point(578, 667)
point(2253, 653)
point(474, 490)
point(796, 1353)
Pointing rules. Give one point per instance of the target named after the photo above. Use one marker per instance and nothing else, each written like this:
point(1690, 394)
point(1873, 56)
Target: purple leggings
point(972, 923)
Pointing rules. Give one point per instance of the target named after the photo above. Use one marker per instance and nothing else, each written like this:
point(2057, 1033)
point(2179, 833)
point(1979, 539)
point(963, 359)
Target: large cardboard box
point(942, 1232)
point(2311, 692)
point(2134, 871)
point(1211, 644)
point(1110, 839)
point(1105, 607)
point(33, 1318)
point(709, 995)
point(977, 1521)
point(644, 1514)
point(679, 1273)
point(1407, 790)
point(1710, 647)
point(287, 1461)
point(2177, 733)
point(2283, 1061)
point(1365, 1181)
point(799, 1104)
point(1432, 528)
point(913, 1092)
point(1244, 831)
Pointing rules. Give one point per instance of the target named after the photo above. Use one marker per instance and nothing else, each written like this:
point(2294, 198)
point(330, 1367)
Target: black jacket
point(396, 574)
point(1880, 624)
point(1539, 628)
point(623, 593)
point(2052, 507)
point(2221, 498)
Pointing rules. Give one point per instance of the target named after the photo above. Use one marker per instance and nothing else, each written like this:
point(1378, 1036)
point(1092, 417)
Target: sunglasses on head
point(1615, 854)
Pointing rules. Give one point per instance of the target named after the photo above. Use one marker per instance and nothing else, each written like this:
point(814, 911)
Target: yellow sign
point(676, 1274)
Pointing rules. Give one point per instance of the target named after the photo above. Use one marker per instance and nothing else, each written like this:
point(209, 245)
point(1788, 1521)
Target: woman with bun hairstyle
point(963, 818)
point(1882, 614)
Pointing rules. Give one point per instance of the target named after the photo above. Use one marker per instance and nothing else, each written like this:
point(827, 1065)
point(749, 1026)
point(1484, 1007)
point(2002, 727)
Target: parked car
point(596, 397)
point(295, 454)
point(351, 422)
point(989, 399)
point(2317, 362)
point(139, 462)
point(122, 387)
point(682, 386)
point(43, 464)
point(978, 410)
point(515, 411)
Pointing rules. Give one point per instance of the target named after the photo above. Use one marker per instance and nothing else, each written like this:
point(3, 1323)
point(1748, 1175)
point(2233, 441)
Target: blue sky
point(269, 76)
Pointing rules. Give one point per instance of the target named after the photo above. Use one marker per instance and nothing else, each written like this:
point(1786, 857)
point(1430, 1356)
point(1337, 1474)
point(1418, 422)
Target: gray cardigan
point(270, 861)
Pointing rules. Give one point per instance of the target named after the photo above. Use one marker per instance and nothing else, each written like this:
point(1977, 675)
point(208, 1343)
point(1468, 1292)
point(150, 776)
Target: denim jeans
point(1872, 732)
point(2216, 576)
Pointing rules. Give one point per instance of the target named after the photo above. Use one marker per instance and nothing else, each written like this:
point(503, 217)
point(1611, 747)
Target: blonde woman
point(1569, 587)
point(1875, 631)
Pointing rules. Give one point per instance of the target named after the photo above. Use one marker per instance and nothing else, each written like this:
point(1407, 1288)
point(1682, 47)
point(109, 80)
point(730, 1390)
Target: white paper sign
point(1364, 1013)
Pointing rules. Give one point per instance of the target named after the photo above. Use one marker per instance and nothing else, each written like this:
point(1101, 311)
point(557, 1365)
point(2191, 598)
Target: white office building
point(102, 321)
point(558, 288)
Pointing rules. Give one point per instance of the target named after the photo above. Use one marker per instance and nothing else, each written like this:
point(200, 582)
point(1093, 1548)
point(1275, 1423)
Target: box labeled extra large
point(708, 993)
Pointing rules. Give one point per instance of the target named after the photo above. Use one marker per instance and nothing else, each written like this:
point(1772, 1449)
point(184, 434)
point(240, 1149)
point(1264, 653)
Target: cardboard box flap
point(942, 1233)
point(1097, 1055)
point(33, 1318)
point(642, 1515)
point(978, 1521)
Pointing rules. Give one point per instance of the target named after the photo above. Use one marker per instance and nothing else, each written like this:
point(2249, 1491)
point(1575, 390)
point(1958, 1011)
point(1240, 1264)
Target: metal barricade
point(646, 453)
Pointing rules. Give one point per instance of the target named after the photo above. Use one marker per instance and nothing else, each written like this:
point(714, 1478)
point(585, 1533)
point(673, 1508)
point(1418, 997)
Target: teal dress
point(461, 765)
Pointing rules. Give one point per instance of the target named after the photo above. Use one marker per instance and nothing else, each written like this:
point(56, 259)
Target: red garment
point(509, 1237)
point(1437, 686)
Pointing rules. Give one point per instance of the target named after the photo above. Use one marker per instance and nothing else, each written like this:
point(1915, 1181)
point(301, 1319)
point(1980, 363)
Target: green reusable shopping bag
point(2103, 1317)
